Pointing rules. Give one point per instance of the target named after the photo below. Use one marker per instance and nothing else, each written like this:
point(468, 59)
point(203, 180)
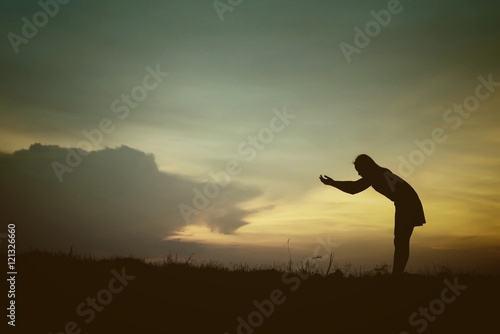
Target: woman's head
point(365, 165)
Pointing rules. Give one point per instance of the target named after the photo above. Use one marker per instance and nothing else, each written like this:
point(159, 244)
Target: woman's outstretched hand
point(326, 180)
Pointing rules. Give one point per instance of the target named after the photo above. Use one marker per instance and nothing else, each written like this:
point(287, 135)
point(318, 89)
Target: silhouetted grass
point(183, 296)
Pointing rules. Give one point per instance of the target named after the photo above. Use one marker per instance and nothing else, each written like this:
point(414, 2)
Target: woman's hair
point(364, 162)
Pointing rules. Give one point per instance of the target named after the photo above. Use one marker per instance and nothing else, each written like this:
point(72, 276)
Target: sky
point(201, 128)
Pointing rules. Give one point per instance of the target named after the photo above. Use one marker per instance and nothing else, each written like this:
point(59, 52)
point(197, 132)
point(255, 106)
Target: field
point(67, 293)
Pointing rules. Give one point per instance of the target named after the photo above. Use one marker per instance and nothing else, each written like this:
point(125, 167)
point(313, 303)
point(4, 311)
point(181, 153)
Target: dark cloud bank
point(115, 202)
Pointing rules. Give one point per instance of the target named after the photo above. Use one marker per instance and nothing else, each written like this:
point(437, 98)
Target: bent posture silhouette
point(409, 210)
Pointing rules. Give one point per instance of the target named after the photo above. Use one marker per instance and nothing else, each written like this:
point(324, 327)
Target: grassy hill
point(66, 293)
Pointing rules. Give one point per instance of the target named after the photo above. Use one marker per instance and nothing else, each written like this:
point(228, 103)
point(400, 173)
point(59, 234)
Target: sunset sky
point(265, 93)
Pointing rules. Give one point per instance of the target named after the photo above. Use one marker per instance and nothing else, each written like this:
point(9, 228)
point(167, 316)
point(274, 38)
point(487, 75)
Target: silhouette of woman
point(409, 210)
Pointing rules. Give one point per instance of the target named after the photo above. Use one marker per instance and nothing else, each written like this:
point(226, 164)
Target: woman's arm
point(350, 187)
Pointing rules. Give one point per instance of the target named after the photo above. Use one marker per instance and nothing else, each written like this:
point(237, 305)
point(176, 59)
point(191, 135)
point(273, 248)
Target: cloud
point(116, 201)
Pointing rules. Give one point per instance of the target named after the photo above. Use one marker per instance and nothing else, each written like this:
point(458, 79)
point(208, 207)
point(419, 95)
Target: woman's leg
point(401, 249)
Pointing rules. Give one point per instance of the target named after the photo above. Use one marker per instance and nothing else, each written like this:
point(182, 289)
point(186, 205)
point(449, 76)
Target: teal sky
point(226, 81)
